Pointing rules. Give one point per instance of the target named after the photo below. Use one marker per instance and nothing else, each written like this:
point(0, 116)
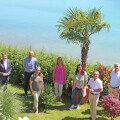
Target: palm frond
point(76, 23)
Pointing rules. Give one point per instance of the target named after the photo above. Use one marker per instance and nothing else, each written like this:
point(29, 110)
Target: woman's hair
point(40, 74)
point(59, 58)
point(82, 71)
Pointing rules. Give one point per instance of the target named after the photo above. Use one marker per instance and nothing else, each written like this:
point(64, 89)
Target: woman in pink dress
point(59, 78)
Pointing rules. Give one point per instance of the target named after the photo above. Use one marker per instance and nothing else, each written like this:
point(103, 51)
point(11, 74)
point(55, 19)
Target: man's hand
point(91, 90)
point(5, 74)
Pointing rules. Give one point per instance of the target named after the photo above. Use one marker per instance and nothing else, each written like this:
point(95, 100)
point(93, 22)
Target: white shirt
point(5, 65)
point(115, 78)
point(95, 84)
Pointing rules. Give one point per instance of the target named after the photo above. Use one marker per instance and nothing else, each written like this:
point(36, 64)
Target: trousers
point(74, 94)
point(58, 89)
point(27, 76)
point(36, 98)
point(93, 101)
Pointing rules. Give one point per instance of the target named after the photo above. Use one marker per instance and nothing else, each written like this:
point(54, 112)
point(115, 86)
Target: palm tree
point(77, 26)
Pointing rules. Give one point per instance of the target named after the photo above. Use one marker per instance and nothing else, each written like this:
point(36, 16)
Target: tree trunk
point(84, 53)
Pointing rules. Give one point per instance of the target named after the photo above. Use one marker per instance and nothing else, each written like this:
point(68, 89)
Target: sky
point(33, 23)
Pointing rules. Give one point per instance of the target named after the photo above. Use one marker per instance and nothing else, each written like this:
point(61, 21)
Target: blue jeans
point(74, 94)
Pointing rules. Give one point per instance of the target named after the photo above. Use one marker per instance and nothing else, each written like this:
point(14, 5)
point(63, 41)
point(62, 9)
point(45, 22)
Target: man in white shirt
point(95, 87)
point(114, 87)
point(5, 70)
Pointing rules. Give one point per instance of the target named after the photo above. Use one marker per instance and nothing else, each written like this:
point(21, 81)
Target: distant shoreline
point(55, 53)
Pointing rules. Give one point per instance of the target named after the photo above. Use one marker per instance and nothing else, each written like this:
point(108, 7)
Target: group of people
point(33, 77)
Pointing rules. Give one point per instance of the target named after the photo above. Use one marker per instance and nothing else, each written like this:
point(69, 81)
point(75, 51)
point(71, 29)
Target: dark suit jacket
point(5, 79)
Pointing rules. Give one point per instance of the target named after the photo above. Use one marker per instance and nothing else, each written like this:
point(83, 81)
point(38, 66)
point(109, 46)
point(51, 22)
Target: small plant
point(48, 97)
point(111, 106)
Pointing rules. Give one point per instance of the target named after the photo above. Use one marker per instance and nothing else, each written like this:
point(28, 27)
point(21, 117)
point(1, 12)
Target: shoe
point(90, 118)
point(25, 95)
point(78, 107)
point(72, 106)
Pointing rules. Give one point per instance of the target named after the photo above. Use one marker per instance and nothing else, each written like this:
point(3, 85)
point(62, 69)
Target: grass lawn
point(58, 111)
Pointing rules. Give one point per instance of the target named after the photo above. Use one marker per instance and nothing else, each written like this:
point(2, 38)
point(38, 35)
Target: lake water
point(32, 23)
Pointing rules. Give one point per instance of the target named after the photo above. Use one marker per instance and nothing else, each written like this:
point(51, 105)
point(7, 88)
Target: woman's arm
point(42, 87)
point(65, 75)
point(84, 86)
point(72, 84)
point(54, 74)
point(32, 93)
point(85, 83)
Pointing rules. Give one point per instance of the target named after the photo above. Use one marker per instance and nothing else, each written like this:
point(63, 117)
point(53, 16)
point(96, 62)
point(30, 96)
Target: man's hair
point(117, 64)
point(96, 71)
point(4, 54)
point(31, 51)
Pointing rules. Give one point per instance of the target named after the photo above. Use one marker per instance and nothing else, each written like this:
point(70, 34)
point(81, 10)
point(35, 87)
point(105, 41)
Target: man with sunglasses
point(114, 86)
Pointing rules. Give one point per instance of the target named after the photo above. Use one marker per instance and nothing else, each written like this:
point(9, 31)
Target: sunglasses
point(116, 66)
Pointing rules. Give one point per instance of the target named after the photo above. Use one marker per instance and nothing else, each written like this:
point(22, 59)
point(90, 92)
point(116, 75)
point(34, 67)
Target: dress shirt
point(115, 78)
point(30, 64)
point(5, 65)
point(95, 84)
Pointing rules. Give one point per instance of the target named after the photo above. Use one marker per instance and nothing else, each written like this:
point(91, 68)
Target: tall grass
point(10, 105)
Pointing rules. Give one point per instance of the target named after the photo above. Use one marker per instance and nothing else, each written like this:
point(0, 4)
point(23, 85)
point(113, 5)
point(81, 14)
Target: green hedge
point(45, 60)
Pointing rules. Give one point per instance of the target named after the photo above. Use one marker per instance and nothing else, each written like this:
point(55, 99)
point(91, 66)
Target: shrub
point(104, 72)
point(48, 97)
point(46, 61)
point(111, 106)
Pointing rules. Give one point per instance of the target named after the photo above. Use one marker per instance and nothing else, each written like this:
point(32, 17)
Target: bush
point(48, 97)
point(46, 61)
point(111, 106)
point(104, 76)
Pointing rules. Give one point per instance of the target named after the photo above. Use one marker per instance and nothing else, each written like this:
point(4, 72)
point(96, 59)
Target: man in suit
point(5, 70)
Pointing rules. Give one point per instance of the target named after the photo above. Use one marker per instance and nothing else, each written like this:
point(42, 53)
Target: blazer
point(5, 79)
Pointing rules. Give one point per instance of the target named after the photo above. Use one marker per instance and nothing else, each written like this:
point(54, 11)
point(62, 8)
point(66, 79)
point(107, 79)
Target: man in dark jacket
point(5, 70)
